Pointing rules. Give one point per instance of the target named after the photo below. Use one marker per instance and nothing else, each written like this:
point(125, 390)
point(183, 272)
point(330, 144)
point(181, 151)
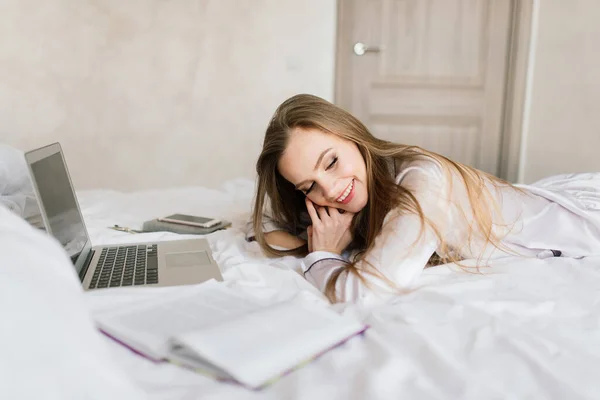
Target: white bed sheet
point(526, 329)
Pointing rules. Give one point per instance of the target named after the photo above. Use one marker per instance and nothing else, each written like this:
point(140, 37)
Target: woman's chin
point(355, 206)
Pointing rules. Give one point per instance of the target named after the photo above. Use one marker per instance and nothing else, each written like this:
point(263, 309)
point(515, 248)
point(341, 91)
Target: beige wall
point(150, 93)
point(563, 131)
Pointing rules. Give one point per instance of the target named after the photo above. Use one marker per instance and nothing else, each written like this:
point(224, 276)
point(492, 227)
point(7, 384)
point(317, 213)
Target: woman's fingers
point(311, 211)
point(329, 230)
point(342, 215)
point(319, 214)
point(322, 212)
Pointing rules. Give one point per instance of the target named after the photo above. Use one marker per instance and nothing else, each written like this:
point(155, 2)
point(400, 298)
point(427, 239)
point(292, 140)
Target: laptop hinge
point(86, 264)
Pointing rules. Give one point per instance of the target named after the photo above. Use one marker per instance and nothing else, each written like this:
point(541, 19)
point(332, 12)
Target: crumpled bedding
point(49, 346)
point(520, 329)
point(16, 190)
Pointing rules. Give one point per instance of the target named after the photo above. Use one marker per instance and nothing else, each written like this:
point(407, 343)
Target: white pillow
point(49, 347)
point(16, 190)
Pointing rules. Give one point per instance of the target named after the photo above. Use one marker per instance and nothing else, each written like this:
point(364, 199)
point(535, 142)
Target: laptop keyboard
point(126, 266)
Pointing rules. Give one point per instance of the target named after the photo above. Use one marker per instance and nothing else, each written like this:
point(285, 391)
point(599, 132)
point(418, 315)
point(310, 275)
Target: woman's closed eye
point(331, 165)
point(307, 191)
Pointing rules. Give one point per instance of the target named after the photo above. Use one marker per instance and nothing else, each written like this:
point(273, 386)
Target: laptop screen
point(58, 199)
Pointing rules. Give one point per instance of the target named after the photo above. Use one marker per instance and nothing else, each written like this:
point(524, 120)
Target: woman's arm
point(275, 235)
point(399, 253)
point(284, 240)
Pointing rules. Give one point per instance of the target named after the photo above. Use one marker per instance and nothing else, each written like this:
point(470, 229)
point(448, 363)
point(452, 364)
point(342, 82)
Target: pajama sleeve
point(400, 251)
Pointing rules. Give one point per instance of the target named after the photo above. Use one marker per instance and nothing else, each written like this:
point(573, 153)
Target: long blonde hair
point(287, 204)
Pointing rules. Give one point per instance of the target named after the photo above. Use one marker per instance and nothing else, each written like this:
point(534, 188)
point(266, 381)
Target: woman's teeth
point(346, 192)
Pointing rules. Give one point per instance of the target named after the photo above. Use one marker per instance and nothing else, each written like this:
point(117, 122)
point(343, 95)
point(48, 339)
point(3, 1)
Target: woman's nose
point(329, 190)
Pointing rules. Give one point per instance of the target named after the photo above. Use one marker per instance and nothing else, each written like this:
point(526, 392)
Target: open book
point(228, 335)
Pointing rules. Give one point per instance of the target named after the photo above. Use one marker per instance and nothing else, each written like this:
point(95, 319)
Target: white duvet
point(525, 329)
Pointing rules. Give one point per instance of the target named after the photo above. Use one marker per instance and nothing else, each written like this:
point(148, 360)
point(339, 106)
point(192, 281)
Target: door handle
point(361, 48)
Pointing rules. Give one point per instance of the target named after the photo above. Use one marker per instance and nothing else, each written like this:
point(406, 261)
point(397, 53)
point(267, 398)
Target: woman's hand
point(283, 239)
point(330, 230)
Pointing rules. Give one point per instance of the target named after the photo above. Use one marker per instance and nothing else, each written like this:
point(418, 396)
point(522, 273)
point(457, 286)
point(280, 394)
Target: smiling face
point(328, 169)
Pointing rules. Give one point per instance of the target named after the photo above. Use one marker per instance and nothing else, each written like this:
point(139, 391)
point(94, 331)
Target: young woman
point(368, 215)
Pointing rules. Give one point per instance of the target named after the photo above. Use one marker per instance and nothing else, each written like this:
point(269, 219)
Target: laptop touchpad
point(187, 259)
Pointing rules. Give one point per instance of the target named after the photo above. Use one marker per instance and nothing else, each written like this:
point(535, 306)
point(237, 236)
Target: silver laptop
point(166, 263)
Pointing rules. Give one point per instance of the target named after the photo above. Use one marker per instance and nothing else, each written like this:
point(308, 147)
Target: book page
point(147, 325)
point(251, 341)
point(255, 348)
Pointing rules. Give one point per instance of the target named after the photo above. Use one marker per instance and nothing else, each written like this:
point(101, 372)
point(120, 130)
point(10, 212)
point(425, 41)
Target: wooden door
point(430, 73)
